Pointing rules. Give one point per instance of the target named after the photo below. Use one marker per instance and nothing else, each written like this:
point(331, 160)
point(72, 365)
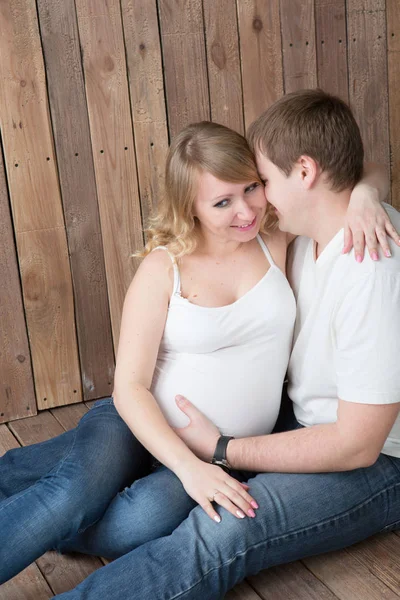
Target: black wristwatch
point(219, 457)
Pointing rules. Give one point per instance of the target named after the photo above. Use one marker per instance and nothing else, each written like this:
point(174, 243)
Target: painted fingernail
point(251, 512)
point(217, 519)
point(240, 514)
point(358, 258)
point(254, 504)
point(374, 256)
point(388, 253)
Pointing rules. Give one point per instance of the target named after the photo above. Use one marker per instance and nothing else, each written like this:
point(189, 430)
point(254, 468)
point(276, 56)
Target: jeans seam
point(282, 537)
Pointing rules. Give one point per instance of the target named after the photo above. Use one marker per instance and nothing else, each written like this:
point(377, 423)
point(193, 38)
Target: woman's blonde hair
point(199, 147)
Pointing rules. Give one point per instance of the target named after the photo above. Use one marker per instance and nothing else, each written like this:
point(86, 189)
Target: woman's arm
point(143, 320)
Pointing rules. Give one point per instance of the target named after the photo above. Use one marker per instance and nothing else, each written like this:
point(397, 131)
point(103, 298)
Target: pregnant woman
point(209, 314)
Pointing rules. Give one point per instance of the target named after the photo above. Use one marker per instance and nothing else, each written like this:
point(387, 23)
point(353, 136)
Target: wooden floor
point(367, 571)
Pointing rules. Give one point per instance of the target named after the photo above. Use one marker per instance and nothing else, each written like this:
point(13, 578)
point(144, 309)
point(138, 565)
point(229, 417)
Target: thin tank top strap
point(177, 277)
point(265, 250)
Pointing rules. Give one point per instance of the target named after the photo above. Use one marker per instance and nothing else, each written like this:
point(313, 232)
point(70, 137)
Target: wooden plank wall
point(91, 92)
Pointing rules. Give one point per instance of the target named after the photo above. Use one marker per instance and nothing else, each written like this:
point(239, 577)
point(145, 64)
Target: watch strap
point(219, 457)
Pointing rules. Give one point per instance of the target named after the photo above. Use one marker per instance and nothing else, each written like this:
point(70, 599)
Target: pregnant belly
point(241, 397)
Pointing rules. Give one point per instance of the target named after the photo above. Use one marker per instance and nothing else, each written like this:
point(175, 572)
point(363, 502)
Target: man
point(334, 478)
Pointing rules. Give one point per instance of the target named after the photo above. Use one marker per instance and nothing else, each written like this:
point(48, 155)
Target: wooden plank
point(261, 55)
point(7, 440)
point(66, 571)
point(368, 75)
point(28, 585)
point(331, 47)
point(347, 578)
point(67, 99)
point(36, 429)
point(185, 70)
point(381, 555)
point(69, 416)
point(17, 394)
point(223, 62)
point(298, 42)
point(36, 207)
point(393, 42)
point(143, 53)
point(242, 591)
point(290, 582)
point(101, 35)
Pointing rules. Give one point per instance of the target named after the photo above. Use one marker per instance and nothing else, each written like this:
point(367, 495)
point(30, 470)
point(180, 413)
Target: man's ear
point(309, 171)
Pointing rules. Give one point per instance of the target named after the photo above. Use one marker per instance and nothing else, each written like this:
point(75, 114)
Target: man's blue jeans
point(299, 515)
point(52, 490)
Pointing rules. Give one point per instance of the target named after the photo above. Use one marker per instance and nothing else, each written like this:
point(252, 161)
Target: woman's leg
point(76, 478)
point(151, 508)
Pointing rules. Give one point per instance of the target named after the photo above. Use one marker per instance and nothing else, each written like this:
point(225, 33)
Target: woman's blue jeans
point(52, 490)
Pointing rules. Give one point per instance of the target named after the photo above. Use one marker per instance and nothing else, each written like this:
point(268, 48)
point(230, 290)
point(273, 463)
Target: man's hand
point(200, 435)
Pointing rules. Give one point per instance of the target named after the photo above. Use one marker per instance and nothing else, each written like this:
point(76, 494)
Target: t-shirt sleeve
point(366, 329)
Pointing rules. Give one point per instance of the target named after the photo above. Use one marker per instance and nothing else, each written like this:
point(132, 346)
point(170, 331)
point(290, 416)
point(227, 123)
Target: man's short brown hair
point(315, 124)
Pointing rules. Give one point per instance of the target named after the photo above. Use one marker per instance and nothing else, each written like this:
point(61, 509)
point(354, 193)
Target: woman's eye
point(252, 187)
point(222, 203)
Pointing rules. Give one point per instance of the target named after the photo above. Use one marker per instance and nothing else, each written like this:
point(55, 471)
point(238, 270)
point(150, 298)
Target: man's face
point(286, 194)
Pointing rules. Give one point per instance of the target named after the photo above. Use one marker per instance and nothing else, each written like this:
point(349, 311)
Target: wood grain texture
point(36, 206)
point(101, 35)
point(242, 591)
point(331, 47)
point(348, 578)
point(65, 571)
point(17, 393)
point(223, 62)
point(28, 585)
point(261, 55)
point(36, 429)
point(49, 310)
point(381, 556)
point(393, 58)
point(290, 582)
point(144, 60)
point(59, 35)
point(69, 416)
point(7, 440)
point(184, 57)
point(298, 43)
point(368, 95)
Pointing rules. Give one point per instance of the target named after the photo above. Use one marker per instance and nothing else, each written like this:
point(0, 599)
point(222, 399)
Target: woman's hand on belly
point(201, 435)
point(208, 484)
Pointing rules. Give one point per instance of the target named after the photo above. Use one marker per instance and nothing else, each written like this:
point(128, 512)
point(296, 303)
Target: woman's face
point(229, 211)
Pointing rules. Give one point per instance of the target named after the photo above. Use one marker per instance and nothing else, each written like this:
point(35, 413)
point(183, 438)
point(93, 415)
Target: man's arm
point(354, 441)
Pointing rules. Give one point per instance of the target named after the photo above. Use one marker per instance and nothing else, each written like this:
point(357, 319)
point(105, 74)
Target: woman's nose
point(245, 211)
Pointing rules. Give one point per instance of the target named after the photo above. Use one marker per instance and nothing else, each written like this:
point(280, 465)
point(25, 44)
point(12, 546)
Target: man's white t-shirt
point(347, 335)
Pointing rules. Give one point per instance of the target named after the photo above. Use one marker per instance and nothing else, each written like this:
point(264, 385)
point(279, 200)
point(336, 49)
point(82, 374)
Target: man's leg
point(73, 487)
point(299, 515)
point(150, 508)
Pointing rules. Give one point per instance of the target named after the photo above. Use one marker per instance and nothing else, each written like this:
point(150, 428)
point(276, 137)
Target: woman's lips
point(247, 227)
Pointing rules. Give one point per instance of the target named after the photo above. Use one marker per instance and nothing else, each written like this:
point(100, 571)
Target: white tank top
point(229, 361)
